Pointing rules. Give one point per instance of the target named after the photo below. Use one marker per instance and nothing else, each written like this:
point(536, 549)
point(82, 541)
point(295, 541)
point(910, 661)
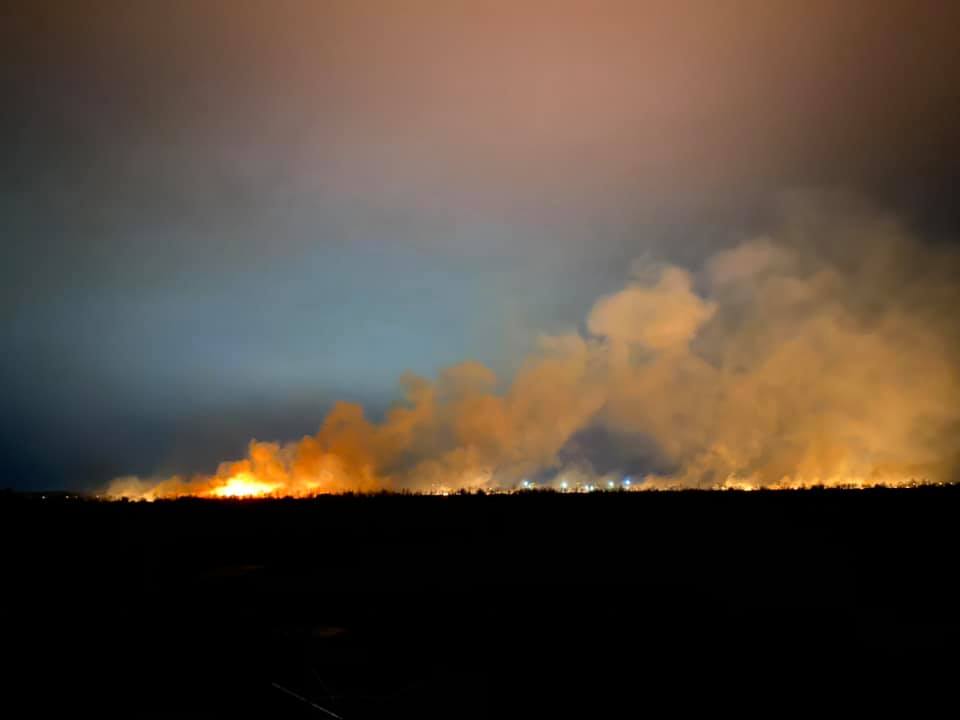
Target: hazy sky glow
point(218, 217)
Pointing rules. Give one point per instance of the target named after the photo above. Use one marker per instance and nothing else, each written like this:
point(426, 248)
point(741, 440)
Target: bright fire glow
point(243, 485)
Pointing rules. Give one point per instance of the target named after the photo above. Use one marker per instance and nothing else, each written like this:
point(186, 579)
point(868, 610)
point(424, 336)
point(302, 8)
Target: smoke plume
point(822, 352)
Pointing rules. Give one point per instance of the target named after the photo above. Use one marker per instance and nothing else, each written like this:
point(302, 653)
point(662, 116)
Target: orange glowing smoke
point(825, 353)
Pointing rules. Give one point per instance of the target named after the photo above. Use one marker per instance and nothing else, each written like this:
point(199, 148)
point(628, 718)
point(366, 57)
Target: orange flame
point(243, 485)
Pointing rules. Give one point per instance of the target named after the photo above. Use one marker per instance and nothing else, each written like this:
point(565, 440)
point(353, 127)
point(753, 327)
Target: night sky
point(218, 217)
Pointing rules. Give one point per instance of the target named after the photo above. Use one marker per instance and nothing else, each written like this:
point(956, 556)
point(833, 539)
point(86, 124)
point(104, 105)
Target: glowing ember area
point(243, 486)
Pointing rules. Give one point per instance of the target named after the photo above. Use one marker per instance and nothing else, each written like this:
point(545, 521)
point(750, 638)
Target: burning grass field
point(471, 606)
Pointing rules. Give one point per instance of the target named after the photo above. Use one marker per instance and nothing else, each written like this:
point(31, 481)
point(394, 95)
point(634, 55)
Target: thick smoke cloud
point(822, 352)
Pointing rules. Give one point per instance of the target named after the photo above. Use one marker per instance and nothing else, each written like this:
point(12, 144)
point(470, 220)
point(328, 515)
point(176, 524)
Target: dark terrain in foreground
point(476, 606)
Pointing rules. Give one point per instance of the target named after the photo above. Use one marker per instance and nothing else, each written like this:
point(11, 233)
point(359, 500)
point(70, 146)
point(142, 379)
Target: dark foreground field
point(477, 606)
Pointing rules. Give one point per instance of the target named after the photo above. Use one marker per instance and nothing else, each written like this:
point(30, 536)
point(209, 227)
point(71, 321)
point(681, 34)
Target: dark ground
point(470, 606)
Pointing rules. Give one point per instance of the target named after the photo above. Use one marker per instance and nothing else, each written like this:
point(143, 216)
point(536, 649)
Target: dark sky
point(219, 216)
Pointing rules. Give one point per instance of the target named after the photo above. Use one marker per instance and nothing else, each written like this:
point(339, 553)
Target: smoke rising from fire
point(822, 352)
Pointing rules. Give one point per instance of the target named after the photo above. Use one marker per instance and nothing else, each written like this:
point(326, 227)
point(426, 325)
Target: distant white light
point(563, 484)
point(610, 484)
point(626, 482)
